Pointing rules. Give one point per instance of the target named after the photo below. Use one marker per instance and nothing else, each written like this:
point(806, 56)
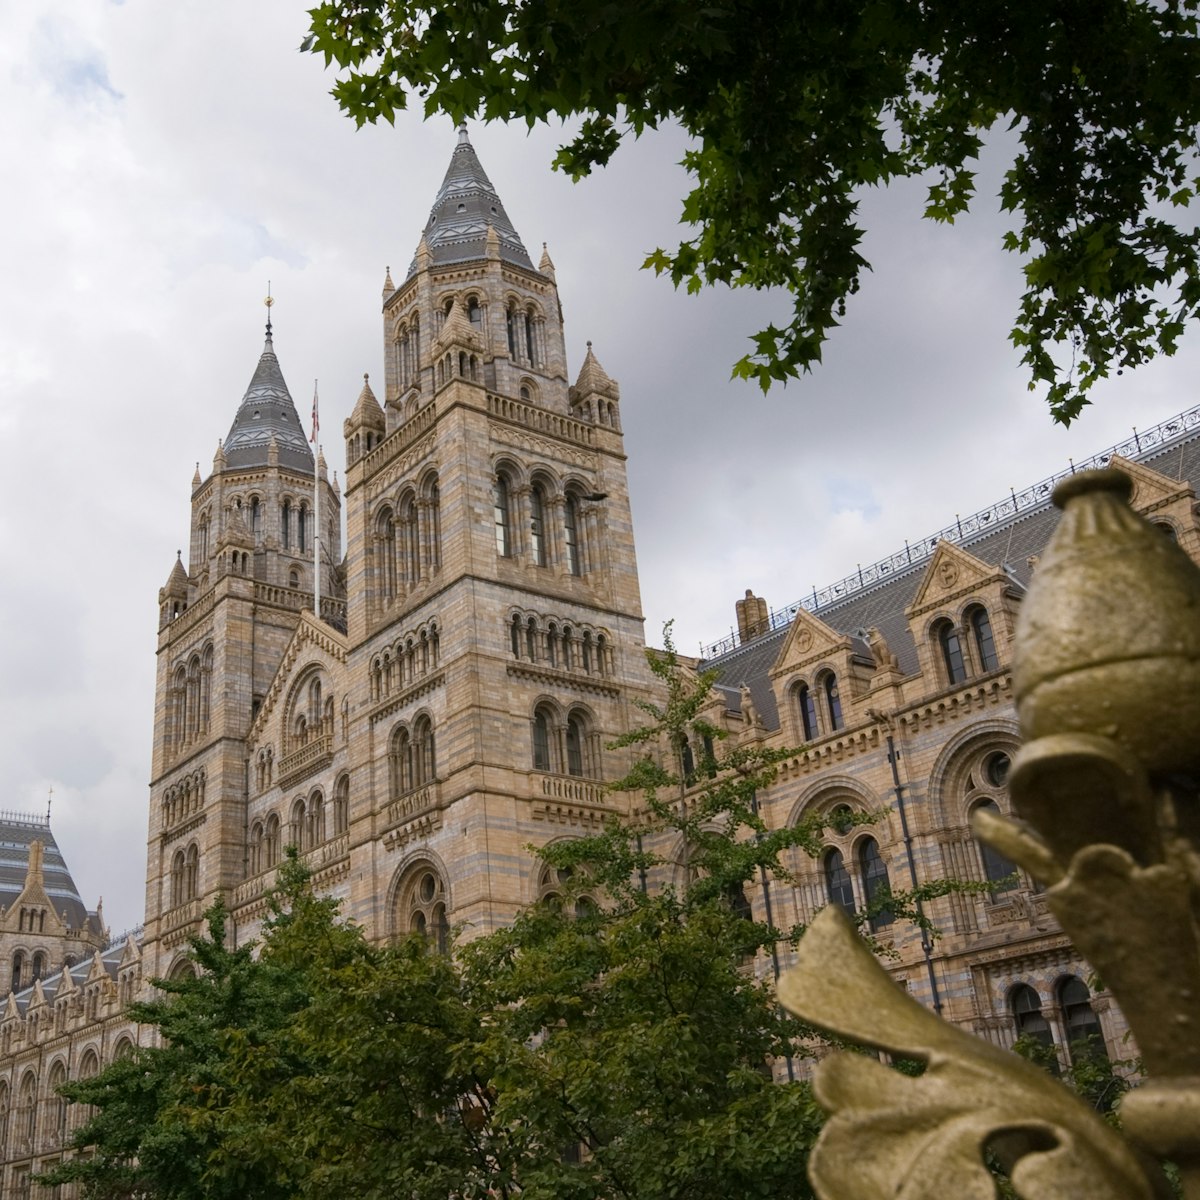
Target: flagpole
point(316, 427)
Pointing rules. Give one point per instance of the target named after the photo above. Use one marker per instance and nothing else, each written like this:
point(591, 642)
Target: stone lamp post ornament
point(1107, 684)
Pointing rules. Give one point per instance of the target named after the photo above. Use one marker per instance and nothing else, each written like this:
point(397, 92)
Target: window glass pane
point(808, 712)
point(541, 742)
point(984, 642)
point(834, 702)
point(956, 669)
point(837, 882)
point(537, 541)
point(875, 881)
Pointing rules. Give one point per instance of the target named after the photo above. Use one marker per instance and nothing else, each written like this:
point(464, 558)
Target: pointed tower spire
point(196, 480)
point(267, 411)
point(465, 204)
point(594, 379)
point(546, 265)
point(388, 286)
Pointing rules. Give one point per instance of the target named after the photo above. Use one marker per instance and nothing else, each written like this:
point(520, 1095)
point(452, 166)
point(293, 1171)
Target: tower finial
point(269, 301)
point(463, 140)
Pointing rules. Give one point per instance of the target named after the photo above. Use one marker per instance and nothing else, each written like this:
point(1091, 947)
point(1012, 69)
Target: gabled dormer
point(818, 676)
point(962, 618)
point(1168, 504)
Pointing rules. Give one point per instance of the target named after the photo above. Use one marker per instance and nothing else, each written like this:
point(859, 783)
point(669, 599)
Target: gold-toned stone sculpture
point(1107, 785)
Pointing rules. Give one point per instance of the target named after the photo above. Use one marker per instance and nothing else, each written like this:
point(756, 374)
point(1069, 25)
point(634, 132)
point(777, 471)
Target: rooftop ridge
point(34, 821)
point(965, 530)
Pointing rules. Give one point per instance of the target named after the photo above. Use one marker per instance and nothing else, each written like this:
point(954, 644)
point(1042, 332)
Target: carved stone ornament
point(1107, 684)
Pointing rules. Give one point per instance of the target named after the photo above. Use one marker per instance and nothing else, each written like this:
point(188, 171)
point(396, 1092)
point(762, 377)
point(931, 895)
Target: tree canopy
point(795, 109)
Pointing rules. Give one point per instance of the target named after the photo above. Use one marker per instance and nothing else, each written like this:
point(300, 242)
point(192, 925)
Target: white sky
point(164, 160)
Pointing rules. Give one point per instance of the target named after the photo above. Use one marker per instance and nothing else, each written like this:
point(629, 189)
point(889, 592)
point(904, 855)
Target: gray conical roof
point(465, 204)
point(17, 835)
point(267, 410)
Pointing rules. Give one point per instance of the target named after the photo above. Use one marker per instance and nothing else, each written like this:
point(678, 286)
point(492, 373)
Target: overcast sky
point(164, 160)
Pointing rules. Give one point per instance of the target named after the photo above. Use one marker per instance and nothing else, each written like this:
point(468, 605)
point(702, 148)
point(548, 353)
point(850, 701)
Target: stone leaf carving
point(925, 1138)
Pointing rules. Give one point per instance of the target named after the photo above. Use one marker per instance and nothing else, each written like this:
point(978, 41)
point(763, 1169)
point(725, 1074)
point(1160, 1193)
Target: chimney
point(752, 617)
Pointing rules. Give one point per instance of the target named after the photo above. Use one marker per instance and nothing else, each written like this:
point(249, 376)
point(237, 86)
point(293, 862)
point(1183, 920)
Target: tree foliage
point(794, 110)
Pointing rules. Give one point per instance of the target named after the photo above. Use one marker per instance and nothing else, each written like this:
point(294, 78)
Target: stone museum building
point(478, 642)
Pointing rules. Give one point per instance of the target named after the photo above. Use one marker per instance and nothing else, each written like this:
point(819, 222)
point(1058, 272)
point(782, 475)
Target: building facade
point(479, 642)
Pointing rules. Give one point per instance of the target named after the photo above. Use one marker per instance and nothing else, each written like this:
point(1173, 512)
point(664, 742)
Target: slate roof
point(465, 204)
point(267, 409)
point(16, 836)
point(1006, 542)
point(110, 958)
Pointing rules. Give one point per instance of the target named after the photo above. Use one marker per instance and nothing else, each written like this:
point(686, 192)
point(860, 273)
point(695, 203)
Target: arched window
point(1027, 1015)
point(58, 1106)
point(531, 640)
point(474, 312)
point(178, 870)
point(302, 529)
point(271, 838)
point(997, 870)
point(510, 318)
point(18, 971)
point(39, 959)
point(537, 524)
point(875, 881)
point(423, 756)
point(27, 1113)
point(530, 342)
point(808, 711)
point(552, 644)
point(501, 516)
point(191, 873)
point(571, 531)
point(1085, 1038)
point(575, 739)
point(400, 762)
point(341, 805)
point(833, 702)
point(316, 818)
point(985, 644)
point(421, 908)
point(298, 834)
point(514, 635)
point(256, 517)
point(838, 887)
point(286, 525)
point(952, 655)
point(542, 724)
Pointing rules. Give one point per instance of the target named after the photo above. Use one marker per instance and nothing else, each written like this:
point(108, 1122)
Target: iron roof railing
point(967, 529)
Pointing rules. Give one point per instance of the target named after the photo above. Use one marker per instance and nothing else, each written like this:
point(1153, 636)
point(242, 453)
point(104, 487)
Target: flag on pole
point(316, 420)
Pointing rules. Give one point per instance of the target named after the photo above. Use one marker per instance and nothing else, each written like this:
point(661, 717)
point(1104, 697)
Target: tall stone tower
point(488, 517)
point(475, 652)
point(224, 623)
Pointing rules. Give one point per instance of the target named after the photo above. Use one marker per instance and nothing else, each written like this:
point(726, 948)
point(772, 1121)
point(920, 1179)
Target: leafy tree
point(795, 109)
point(165, 1122)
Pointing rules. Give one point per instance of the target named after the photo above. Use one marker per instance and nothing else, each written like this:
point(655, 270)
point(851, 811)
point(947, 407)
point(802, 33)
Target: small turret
point(219, 460)
point(596, 396)
point(388, 286)
point(458, 331)
point(546, 264)
point(173, 596)
point(196, 480)
point(366, 426)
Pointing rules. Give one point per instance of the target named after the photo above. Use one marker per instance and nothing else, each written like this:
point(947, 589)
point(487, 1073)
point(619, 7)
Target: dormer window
point(952, 655)
point(985, 643)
